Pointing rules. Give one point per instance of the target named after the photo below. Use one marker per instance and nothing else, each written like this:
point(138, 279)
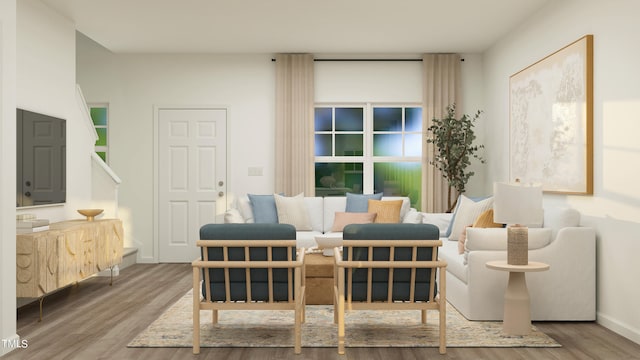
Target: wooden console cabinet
point(65, 254)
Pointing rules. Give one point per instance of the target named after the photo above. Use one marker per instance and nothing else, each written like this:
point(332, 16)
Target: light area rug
point(363, 328)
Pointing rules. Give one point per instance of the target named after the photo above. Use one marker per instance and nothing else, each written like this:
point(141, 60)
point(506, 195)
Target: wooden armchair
point(389, 267)
point(248, 267)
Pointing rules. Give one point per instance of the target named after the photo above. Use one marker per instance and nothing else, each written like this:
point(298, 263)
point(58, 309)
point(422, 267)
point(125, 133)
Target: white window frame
point(102, 148)
point(368, 159)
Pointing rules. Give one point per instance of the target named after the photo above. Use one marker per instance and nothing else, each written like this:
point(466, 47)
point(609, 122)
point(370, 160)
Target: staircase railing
point(104, 181)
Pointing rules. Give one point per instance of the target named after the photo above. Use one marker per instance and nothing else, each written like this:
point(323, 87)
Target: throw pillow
point(485, 220)
point(292, 210)
point(343, 219)
point(468, 210)
point(557, 218)
point(359, 202)
point(233, 216)
point(412, 217)
point(455, 211)
point(264, 209)
point(406, 204)
point(388, 211)
point(243, 204)
point(441, 220)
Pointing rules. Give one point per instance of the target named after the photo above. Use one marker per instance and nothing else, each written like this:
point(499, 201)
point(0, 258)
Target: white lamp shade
point(517, 204)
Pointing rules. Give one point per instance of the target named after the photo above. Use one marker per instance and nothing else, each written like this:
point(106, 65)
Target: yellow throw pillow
point(388, 211)
point(343, 219)
point(485, 220)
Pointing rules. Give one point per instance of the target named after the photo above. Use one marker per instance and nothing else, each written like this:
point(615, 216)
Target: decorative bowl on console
point(90, 213)
point(327, 243)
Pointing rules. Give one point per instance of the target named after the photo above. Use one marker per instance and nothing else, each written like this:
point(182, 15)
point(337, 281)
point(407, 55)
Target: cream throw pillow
point(388, 211)
point(343, 219)
point(412, 217)
point(292, 210)
point(467, 212)
point(233, 216)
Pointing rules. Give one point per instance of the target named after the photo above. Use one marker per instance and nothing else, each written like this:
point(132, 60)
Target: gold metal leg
point(41, 300)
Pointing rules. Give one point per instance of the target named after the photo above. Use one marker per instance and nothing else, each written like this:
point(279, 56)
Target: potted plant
point(453, 139)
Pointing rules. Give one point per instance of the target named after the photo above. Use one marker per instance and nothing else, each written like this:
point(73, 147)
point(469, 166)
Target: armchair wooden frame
point(295, 283)
point(344, 271)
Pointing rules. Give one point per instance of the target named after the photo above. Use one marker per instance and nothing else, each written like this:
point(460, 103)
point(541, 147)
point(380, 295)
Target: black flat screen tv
point(41, 163)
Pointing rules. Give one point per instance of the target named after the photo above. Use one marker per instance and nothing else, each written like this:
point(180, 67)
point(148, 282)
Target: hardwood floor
point(96, 321)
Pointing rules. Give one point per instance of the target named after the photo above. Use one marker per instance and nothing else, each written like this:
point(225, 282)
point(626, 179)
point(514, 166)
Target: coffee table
point(517, 304)
point(319, 279)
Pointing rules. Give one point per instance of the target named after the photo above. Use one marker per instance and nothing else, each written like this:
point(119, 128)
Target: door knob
point(220, 183)
point(220, 194)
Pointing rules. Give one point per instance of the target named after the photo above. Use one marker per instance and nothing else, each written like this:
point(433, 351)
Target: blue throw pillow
point(264, 209)
point(360, 202)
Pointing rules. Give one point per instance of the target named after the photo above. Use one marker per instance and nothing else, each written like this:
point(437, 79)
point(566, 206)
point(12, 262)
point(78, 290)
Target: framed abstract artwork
point(551, 121)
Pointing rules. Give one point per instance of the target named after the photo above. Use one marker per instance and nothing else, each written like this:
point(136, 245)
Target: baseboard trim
point(147, 260)
point(619, 327)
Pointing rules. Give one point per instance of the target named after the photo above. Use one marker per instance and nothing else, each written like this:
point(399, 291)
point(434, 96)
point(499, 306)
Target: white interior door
point(191, 178)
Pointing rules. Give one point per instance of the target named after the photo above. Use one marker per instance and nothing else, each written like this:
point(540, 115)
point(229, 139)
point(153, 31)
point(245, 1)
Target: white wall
point(46, 83)
point(614, 209)
point(8, 178)
point(37, 72)
point(245, 84)
point(104, 191)
point(368, 81)
point(134, 84)
point(473, 100)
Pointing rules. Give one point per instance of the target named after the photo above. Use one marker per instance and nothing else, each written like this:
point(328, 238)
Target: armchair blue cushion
point(380, 277)
point(238, 277)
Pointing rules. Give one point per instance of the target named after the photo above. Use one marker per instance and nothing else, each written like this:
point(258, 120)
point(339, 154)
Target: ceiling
point(316, 26)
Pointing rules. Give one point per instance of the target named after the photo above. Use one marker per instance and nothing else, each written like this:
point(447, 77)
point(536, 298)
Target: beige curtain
point(294, 124)
point(441, 79)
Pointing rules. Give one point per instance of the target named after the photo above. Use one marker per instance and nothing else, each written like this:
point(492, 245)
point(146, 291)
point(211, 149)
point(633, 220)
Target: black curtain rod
point(363, 59)
point(367, 59)
point(350, 60)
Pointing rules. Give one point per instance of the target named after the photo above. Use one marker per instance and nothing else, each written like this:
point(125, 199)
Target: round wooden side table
point(517, 304)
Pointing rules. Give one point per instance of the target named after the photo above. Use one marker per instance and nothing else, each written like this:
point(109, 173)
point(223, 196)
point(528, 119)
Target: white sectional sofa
point(321, 212)
point(567, 291)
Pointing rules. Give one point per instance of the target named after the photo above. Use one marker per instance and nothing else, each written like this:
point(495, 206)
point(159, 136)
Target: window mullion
point(333, 131)
point(367, 166)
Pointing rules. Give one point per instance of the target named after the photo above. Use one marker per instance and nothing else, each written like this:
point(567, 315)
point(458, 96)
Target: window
point(369, 148)
point(99, 115)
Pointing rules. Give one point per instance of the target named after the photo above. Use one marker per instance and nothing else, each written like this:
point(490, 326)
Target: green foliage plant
point(453, 140)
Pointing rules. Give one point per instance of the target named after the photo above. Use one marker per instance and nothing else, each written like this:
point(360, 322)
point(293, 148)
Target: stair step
point(129, 257)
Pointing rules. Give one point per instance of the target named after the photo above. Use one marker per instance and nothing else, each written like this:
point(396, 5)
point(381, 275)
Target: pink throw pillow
point(343, 219)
